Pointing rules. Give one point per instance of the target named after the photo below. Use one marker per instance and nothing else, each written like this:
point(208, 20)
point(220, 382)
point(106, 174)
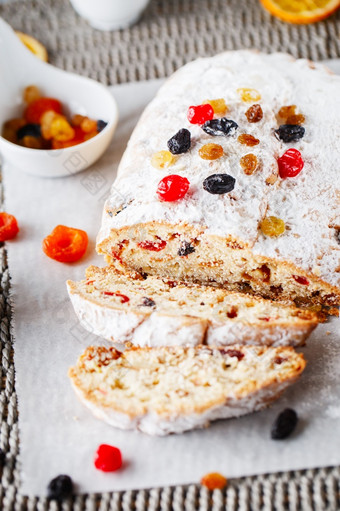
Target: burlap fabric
point(170, 33)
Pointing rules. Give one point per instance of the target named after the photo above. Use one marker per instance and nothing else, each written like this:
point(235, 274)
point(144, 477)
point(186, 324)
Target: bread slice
point(125, 307)
point(218, 238)
point(174, 389)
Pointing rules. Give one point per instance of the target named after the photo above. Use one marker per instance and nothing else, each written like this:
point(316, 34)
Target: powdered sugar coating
point(308, 203)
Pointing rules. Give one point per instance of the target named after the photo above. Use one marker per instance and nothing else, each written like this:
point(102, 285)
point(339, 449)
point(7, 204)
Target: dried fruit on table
point(65, 244)
point(248, 140)
point(33, 45)
point(37, 108)
point(200, 114)
point(60, 488)
point(272, 226)
point(249, 95)
point(108, 458)
point(290, 163)
point(172, 188)
point(162, 160)
point(211, 151)
point(254, 113)
point(8, 226)
point(214, 481)
point(218, 105)
point(180, 142)
point(218, 184)
point(249, 163)
point(284, 424)
point(31, 93)
point(220, 127)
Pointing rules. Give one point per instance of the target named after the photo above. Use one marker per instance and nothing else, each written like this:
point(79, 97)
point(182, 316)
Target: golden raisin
point(88, 125)
point(77, 119)
point(249, 163)
point(295, 119)
point(46, 123)
point(162, 160)
point(249, 95)
point(61, 130)
point(286, 111)
point(31, 93)
point(211, 151)
point(249, 140)
point(254, 113)
point(218, 105)
point(272, 226)
point(31, 142)
point(214, 481)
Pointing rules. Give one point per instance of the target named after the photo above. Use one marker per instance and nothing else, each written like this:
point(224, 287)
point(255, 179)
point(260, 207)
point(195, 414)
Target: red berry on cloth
point(200, 114)
point(290, 163)
point(172, 188)
point(108, 458)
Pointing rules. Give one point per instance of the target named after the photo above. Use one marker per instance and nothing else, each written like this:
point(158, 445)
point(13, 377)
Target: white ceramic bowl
point(19, 68)
point(110, 14)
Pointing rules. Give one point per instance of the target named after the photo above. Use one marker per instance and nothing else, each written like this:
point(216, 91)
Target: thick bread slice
point(174, 389)
point(227, 246)
point(125, 307)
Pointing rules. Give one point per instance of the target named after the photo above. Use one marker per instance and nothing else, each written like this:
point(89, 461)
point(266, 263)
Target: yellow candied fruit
point(218, 105)
point(162, 160)
point(46, 123)
point(61, 130)
point(211, 151)
point(249, 95)
point(214, 481)
point(31, 93)
point(249, 163)
point(272, 226)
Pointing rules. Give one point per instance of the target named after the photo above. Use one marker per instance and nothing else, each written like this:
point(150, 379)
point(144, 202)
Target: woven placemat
point(170, 33)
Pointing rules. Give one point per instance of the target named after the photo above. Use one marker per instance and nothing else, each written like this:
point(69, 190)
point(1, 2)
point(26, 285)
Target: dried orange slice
point(301, 11)
point(33, 45)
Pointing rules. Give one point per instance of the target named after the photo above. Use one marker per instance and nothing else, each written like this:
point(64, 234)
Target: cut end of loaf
point(162, 386)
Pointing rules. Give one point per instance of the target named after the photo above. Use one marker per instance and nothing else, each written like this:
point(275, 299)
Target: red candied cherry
point(172, 188)
point(290, 163)
point(108, 458)
point(200, 114)
point(301, 280)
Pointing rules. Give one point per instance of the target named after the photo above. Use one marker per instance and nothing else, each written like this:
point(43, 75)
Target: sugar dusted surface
point(308, 203)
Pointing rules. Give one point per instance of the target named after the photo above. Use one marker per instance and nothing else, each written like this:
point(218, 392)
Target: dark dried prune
point(220, 127)
point(219, 183)
point(284, 424)
point(186, 249)
point(30, 130)
point(101, 125)
point(180, 142)
point(61, 487)
point(232, 353)
point(290, 132)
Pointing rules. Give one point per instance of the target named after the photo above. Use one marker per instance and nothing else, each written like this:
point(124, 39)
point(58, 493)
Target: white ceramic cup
point(110, 14)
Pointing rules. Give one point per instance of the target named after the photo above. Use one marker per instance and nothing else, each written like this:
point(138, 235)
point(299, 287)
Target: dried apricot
point(65, 244)
point(211, 151)
point(249, 163)
point(248, 140)
point(35, 110)
point(162, 160)
point(8, 226)
point(214, 481)
point(254, 113)
point(249, 95)
point(218, 105)
point(272, 226)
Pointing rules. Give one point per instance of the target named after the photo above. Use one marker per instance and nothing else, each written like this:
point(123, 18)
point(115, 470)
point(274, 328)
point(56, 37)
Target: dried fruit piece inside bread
point(174, 389)
point(152, 311)
point(216, 236)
